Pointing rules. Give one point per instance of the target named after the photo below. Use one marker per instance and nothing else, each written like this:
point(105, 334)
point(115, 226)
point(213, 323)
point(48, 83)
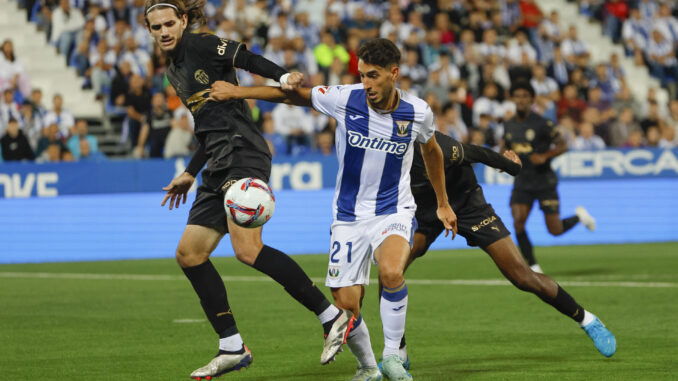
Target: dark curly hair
point(522, 85)
point(192, 8)
point(380, 52)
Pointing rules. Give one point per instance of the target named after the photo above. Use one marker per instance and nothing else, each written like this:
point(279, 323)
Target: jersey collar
point(179, 51)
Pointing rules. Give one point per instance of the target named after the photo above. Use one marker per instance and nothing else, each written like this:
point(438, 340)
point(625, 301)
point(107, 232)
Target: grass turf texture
point(126, 329)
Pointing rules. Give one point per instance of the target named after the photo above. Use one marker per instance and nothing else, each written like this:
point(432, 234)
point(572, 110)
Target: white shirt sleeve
point(325, 98)
point(428, 126)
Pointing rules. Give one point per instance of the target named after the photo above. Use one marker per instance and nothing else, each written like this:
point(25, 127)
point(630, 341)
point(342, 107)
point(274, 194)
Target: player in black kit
point(537, 141)
point(233, 148)
point(478, 223)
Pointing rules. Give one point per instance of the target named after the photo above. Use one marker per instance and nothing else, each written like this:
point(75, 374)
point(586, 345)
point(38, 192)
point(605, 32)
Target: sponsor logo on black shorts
point(483, 223)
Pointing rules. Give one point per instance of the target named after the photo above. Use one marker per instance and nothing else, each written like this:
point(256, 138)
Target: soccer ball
point(249, 202)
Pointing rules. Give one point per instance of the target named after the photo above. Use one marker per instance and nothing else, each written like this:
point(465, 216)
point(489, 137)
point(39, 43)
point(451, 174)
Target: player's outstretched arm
point(259, 65)
point(433, 160)
point(224, 91)
point(509, 162)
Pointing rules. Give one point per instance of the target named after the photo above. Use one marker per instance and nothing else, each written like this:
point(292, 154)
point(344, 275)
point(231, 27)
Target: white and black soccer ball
point(249, 202)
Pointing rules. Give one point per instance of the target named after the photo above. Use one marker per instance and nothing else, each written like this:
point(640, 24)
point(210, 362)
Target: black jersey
point(534, 134)
point(461, 182)
point(198, 61)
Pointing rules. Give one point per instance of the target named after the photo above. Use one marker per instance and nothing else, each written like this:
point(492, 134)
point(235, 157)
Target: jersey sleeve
point(325, 98)
point(453, 152)
point(219, 51)
point(428, 126)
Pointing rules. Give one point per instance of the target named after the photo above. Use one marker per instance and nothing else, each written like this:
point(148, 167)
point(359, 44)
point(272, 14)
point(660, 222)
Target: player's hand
point(294, 80)
point(513, 157)
point(177, 189)
point(222, 91)
point(538, 158)
point(449, 219)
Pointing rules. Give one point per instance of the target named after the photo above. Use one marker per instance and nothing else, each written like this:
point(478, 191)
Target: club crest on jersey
point(333, 272)
point(201, 77)
point(403, 127)
point(529, 134)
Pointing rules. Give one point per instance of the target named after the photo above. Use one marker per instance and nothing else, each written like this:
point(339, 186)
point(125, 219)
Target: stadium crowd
point(461, 56)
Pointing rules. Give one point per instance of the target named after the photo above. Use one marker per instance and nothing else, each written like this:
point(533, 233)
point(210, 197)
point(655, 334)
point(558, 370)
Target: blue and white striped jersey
point(374, 150)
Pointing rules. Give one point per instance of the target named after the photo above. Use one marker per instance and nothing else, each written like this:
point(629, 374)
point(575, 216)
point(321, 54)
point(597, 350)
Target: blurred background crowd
point(461, 56)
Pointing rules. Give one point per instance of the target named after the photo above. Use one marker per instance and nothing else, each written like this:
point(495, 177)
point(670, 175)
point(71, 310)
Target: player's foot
point(367, 374)
point(602, 337)
point(336, 338)
point(392, 368)
point(406, 363)
point(223, 363)
point(536, 268)
point(585, 218)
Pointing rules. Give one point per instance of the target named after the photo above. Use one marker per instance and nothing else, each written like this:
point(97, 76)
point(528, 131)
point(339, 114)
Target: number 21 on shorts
point(336, 252)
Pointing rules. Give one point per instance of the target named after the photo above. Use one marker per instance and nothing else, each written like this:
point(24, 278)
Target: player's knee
point(187, 257)
point(246, 254)
point(524, 280)
point(391, 277)
point(555, 230)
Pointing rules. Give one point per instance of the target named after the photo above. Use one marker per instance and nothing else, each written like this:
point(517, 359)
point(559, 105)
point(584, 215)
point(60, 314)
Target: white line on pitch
point(435, 282)
point(188, 321)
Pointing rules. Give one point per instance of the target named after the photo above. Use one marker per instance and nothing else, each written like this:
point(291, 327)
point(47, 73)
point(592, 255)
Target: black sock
point(327, 327)
point(212, 293)
point(526, 248)
point(402, 342)
point(569, 222)
point(566, 304)
point(287, 272)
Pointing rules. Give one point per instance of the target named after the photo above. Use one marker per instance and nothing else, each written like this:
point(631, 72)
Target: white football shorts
point(353, 243)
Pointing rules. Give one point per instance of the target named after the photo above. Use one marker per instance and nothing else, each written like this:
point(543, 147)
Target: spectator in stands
point(50, 136)
point(546, 90)
point(360, 26)
point(59, 116)
point(102, 66)
point(325, 142)
point(86, 152)
point(138, 104)
point(653, 117)
point(9, 109)
point(667, 23)
point(625, 99)
point(574, 49)
point(614, 14)
point(295, 125)
point(587, 140)
point(558, 68)
point(668, 138)
point(635, 140)
point(66, 22)
point(635, 33)
point(38, 107)
point(661, 57)
point(14, 144)
point(672, 119)
point(139, 59)
point(180, 137)
point(31, 123)
point(609, 87)
point(552, 28)
point(81, 132)
point(453, 124)
point(648, 8)
point(327, 50)
point(12, 73)
point(154, 132)
point(520, 51)
point(531, 17)
point(120, 11)
point(622, 128)
point(116, 35)
point(276, 142)
point(488, 105)
point(653, 136)
point(413, 69)
point(567, 129)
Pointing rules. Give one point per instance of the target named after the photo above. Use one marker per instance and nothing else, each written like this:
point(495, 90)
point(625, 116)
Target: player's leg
point(195, 247)
point(521, 205)
point(392, 256)
point(505, 255)
point(550, 204)
point(250, 250)
point(358, 339)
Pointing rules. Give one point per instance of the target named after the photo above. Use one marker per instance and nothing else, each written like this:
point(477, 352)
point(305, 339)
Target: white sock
point(329, 314)
point(393, 310)
point(232, 343)
point(359, 343)
point(402, 352)
point(588, 318)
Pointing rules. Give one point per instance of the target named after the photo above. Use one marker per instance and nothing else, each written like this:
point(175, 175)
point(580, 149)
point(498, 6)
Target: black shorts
point(229, 160)
point(479, 225)
point(549, 201)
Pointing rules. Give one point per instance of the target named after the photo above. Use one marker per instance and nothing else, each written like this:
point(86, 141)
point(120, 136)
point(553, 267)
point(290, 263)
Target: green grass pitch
point(140, 320)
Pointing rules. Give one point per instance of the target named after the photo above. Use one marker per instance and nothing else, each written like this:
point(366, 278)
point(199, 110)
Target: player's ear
point(184, 21)
point(395, 72)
